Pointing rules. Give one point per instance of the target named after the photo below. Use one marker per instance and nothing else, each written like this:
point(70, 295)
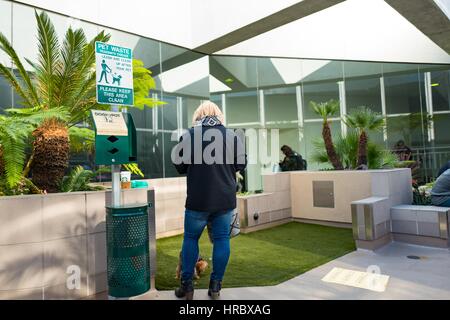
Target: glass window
point(169, 168)
point(363, 92)
point(411, 129)
point(142, 118)
point(440, 89)
point(320, 92)
point(441, 130)
point(5, 95)
point(242, 109)
point(290, 137)
point(188, 109)
point(168, 112)
point(281, 108)
point(150, 154)
point(403, 94)
point(313, 132)
point(217, 99)
point(5, 27)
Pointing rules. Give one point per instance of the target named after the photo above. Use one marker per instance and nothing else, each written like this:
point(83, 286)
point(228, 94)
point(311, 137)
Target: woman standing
point(210, 155)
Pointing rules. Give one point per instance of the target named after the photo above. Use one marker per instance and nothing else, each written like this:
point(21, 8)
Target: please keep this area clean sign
point(114, 72)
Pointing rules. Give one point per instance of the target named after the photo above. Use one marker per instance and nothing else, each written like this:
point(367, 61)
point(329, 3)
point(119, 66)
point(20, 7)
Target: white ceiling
point(352, 30)
point(368, 30)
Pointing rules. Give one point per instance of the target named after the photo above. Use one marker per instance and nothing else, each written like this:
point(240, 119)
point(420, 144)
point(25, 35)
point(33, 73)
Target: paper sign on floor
point(365, 280)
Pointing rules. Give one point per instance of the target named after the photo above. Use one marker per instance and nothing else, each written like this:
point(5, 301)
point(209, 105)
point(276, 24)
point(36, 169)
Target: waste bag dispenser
point(127, 227)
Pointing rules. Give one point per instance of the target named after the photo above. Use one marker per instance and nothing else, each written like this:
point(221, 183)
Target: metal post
point(115, 177)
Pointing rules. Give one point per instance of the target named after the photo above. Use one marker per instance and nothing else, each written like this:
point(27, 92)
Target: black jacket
point(211, 186)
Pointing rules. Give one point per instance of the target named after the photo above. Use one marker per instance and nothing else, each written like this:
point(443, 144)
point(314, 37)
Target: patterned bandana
point(208, 121)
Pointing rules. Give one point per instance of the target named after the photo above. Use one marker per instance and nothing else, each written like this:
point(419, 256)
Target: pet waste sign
point(114, 73)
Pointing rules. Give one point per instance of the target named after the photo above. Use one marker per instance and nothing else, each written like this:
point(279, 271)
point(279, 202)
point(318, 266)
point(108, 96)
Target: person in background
point(440, 193)
point(211, 194)
point(444, 168)
point(402, 151)
point(292, 160)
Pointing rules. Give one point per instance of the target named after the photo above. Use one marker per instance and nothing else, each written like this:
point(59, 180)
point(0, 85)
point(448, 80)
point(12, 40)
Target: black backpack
point(301, 163)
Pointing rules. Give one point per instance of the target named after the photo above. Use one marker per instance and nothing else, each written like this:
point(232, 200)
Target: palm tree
point(325, 110)
point(363, 119)
point(347, 150)
point(14, 132)
point(63, 77)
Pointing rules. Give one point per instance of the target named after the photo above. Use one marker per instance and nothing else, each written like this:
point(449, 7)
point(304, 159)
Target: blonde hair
point(206, 109)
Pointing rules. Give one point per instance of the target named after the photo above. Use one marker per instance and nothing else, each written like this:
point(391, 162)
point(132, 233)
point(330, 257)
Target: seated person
point(444, 168)
point(402, 151)
point(292, 160)
point(440, 193)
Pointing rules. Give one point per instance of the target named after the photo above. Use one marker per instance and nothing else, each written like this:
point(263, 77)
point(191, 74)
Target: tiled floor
point(426, 278)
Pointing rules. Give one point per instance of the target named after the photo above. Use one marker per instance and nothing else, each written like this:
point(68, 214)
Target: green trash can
point(127, 240)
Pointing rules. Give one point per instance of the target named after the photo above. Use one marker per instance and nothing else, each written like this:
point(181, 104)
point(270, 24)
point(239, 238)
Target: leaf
point(12, 143)
point(68, 75)
point(134, 169)
point(77, 180)
point(48, 57)
point(29, 92)
point(81, 139)
point(14, 82)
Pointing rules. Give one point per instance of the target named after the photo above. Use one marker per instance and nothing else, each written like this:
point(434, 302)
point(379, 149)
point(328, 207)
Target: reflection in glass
point(281, 107)
point(320, 92)
point(440, 89)
point(363, 92)
point(242, 109)
point(150, 154)
point(312, 133)
point(403, 93)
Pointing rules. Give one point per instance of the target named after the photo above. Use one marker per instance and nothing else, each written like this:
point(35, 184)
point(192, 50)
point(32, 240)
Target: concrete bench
point(371, 222)
point(422, 225)
point(375, 224)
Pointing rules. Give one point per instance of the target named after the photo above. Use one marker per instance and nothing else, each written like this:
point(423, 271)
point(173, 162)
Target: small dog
point(199, 268)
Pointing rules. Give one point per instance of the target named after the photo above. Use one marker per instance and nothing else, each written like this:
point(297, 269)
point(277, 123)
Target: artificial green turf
point(261, 258)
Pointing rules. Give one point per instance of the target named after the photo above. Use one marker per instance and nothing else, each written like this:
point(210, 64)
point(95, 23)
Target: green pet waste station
point(127, 226)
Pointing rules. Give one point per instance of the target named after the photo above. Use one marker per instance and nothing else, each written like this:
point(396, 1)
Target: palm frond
point(347, 149)
point(134, 169)
point(81, 139)
point(78, 180)
point(29, 92)
point(12, 143)
point(378, 158)
point(325, 109)
point(48, 58)
point(143, 82)
point(37, 115)
point(68, 76)
point(364, 118)
point(14, 158)
point(15, 83)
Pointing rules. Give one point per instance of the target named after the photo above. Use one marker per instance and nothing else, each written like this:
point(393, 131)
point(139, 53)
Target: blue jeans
point(194, 223)
point(445, 204)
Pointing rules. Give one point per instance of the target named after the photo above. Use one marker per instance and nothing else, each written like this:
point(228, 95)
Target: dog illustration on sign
point(104, 74)
point(116, 79)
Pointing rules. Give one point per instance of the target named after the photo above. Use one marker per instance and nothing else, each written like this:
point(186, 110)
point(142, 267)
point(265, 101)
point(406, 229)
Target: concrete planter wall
point(266, 209)
point(327, 195)
point(42, 236)
point(170, 198)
